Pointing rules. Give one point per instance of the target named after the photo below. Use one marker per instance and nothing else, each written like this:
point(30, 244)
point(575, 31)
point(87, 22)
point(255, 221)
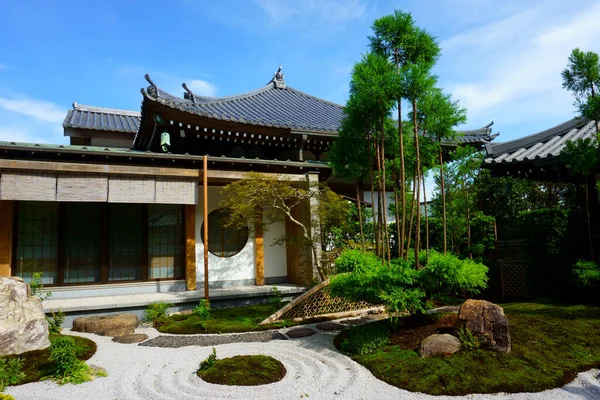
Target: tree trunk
point(399, 244)
point(589, 223)
point(360, 219)
point(468, 218)
point(410, 224)
point(417, 169)
point(402, 171)
point(442, 183)
point(380, 234)
point(386, 234)
point(373, 199)
point(426, 222)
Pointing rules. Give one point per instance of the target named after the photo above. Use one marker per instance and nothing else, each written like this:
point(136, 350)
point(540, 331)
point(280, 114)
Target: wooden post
point(205, 212)
point(6, 237)
point(190, 246)
point(259, 249)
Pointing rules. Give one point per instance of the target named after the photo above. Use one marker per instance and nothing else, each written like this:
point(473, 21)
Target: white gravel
point(314, 371)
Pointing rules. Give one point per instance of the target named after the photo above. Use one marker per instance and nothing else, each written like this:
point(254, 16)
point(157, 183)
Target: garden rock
point(354, 321)
point(23, 325)
point(109, 325)
point(439, 344)
point(488, 322)
point(330, 326)
point(278, 336)
point(129, 339)
point(300, 332)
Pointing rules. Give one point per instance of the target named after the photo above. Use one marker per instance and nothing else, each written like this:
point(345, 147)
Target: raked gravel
point(315, 370)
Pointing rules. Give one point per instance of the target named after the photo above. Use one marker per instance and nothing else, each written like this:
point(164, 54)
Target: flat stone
point(354, 321)
point(330, 326)
point(129, 339)
point(439, 344)
point(300, 332)
point(107, 325)
point(279, 336)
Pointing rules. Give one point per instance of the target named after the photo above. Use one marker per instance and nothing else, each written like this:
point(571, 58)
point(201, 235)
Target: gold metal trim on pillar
point(6, 236)
point(190, 246)
point(259, 249)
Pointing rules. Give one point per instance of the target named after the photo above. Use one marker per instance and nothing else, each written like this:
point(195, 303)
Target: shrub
point(276, 298)
point(202, 310)
point(63, 354)
point(209, 361)
point(468, 340)
point(10, 372)
point(448, 274)
point(156, 311)
point(36, 286)
point(356, 260)
point(55, 322)
point(587, 273)
point(4, 396)
point(366, 339)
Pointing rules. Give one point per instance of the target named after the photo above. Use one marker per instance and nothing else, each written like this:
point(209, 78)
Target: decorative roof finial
point(188, 95)
point(152, 89)
point(278, 79)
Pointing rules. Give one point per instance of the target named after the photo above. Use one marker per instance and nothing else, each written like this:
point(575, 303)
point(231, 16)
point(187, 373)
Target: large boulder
point(107, 325)
point(487, 321)
point(23, 325)
point(439, 344)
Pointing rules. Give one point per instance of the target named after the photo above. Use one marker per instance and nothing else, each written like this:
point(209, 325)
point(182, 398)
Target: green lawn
point(550, 345)
point(223, 320)
point(244, 371)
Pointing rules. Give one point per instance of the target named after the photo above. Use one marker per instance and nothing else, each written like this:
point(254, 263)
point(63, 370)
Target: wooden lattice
point(514, 278)
point(321, 303)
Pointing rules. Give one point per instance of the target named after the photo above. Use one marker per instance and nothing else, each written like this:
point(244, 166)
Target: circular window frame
point(242, 232)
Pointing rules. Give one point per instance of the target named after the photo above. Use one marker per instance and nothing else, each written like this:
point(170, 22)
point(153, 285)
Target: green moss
point(37, 365)
point(244, 371)
point(550, 345)
point(223, 320)
point(4, 396)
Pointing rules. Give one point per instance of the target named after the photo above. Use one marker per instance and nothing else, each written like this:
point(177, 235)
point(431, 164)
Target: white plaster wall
point(240, 267)
point(275, 256)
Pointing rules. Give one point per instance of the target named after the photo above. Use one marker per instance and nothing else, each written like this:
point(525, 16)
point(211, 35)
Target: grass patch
point(37, 364)
point(550, 345)
point(223, 320)
point(244, 371)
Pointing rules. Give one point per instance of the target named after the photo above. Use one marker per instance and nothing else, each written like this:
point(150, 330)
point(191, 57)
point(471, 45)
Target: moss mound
point(244, 371)
point(550, 345)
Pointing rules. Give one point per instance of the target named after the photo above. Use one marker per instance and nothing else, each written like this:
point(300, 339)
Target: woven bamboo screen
point(321, 303)
point(82, 187)
point(127, 189)
point(175, 191)
point(24, 185)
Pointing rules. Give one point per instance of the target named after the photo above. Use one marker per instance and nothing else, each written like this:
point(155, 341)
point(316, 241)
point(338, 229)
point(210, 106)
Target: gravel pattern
point(315, 370)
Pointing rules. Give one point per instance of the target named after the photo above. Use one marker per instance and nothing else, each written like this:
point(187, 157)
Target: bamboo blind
point(82, 187)
point(126, 189)
point(25, 185)
point(175, 191)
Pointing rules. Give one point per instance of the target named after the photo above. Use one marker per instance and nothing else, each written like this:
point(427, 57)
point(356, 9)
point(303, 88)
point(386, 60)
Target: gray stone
point(354, 321)
point(108, 325)
point(23, 325)
point(129, 339)
point(300, 332)
point(488, 322)
point(330, 326)
point(279, 336)
point(439, 344)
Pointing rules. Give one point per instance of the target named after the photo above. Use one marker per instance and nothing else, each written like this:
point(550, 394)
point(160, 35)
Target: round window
point(224, 241)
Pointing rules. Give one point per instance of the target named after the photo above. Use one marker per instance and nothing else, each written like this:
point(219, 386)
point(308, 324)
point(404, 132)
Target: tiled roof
point(274, 105)
point(473, 136)
point(543, 145)
point(102, 119)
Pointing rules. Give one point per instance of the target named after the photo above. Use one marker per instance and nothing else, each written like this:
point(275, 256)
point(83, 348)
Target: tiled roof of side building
point(274, 105)
point(102, 119)
point(543, 145)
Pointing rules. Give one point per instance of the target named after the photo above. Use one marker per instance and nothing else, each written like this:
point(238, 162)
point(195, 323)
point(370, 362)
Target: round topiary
point(244, 371)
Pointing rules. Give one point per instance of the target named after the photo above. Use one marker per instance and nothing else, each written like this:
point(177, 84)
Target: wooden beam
point(190, 247)
point(259, 249)
point(96, 168)
point(219, 175)
point(205, 213)
point(6, 236)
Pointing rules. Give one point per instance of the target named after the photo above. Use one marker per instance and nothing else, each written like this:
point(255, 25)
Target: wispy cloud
point(23, 119)
point(202, 88)
point(334, 11)
point(38, 109)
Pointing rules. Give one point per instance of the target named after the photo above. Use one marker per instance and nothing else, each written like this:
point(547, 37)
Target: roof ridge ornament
point(278, 80)
point(152, 89)
point(188, 95)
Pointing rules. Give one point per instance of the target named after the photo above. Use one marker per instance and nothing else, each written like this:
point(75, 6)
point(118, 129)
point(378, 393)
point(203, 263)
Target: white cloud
point(333, 11)
point(40, 110)
point(202, 88)
point(511, 68)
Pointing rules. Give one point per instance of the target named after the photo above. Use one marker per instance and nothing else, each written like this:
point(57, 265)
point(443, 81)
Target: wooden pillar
point(259, 249)
point(6, 237)
point(190, 246)
point(205, 213)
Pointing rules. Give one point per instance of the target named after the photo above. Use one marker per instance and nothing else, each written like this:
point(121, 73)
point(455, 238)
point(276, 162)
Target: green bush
point(10, 372)
point(276, 299)
point(356, 260)
point(202, 310)
point(4, 396)
point(587, 273)
point(63, 354)
point(55, 322)
point(468, 340)
point(36, 286)
point(209, 361)
point(366, 339)
point(448, 274)
point(156, 311)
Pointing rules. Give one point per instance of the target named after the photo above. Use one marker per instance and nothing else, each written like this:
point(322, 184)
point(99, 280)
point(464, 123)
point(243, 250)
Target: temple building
point(121, 208)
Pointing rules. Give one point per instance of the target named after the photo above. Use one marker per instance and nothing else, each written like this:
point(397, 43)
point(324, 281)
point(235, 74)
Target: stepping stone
point(330, 326)
point(279, 336)
point(354, 322)
point(107, 325)
point(300, 332)
point(129, 339)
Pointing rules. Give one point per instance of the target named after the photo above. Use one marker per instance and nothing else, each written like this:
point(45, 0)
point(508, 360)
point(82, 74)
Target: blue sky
point(502, 60)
